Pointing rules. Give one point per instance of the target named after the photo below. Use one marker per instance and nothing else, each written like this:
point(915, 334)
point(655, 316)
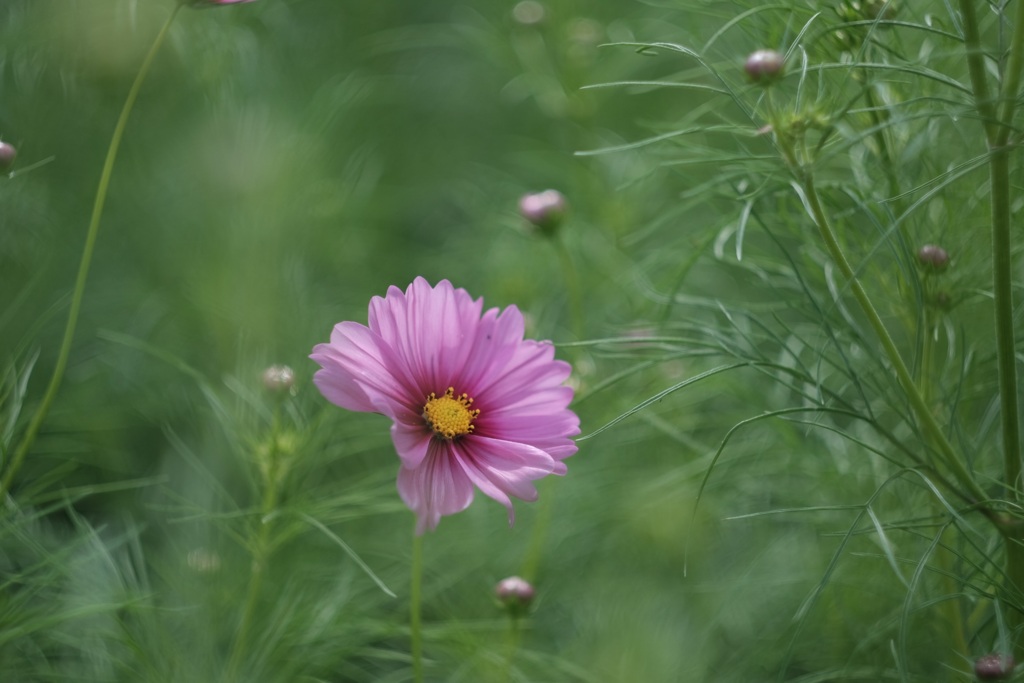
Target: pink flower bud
point(528, 12)
point(546, 210)
point(994, 667)
point(933, 257)
point(764, 66)
point(515, 595)
point(7, 155)
point(279, 379)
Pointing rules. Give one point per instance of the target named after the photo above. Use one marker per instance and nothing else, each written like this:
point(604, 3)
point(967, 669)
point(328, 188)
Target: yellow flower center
point(450, 416)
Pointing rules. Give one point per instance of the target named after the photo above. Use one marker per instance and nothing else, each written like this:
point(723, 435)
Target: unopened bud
point(765, 66)
point(934, 258)
point(546, 210)
point(279, 379)
point(528, 12)
point(994, 667)
point(515, 595)
point(7, 155)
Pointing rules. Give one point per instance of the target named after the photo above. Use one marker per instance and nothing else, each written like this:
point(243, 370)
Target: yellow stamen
point(450, 416)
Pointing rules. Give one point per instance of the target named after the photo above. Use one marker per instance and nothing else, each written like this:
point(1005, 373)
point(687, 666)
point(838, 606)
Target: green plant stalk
point(572, 283)
point(1002, 277)
point(83, 267)
point(1002, 288)
point(511, 645)
point(540, 531)
point(976, 68)
point(943, 554)
point(921, 410)
point(998, 126)
point(415, 598)
point(261, 555)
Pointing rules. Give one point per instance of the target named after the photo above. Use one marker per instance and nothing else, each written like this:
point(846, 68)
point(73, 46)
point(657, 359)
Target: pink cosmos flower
point(471, 402)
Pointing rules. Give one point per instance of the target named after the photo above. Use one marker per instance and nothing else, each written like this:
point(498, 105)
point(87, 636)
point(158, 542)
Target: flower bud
point(934, 258)
point(279, 380)
point(546, 210)
point(994, 667)
point(764, 66)
point(7, 155)
point(528, 12)
point(515, 595)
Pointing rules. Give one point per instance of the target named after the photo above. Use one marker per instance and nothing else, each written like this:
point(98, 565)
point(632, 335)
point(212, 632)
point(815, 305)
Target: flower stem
point(260, 553)
point(929, 424)
point(511, 646)
point(976, 68)
point(540, 532)
point(83, 268)
point(415, 593)
point(572, 282)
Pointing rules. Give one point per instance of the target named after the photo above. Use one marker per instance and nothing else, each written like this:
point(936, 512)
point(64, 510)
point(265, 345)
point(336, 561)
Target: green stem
point(572, 282)
point(976, 68)
point(540, 531)
point(1011, 80)
point(951, 606)
point(83, 268)
point(261, 555)
point(415, 597)
point(924, 414)
point(1002, 284)
point(511, 646)
point(997, 131)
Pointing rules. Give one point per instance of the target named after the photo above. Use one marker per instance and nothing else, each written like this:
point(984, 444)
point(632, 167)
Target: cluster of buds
point(544, 210)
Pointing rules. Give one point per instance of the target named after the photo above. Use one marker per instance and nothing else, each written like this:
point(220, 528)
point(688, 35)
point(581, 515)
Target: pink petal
point(358, 373)
point(436, 488)
point(412, 442)
point(429, 328)
point(504, 468)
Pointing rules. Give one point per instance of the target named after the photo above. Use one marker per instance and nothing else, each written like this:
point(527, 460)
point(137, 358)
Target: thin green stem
point(923, 413)
point(1002, 289)
point(540, 531)
point(261, 549)
point(572, 282)
point(976, 68)
point(83, 268)
point(511, 645)
point(415, 598)
point(998, 126)
point(1011, 80)
point(951, 606)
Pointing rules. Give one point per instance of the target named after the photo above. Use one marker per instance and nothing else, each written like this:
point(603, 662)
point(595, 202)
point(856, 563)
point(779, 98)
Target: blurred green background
point(286, 161)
